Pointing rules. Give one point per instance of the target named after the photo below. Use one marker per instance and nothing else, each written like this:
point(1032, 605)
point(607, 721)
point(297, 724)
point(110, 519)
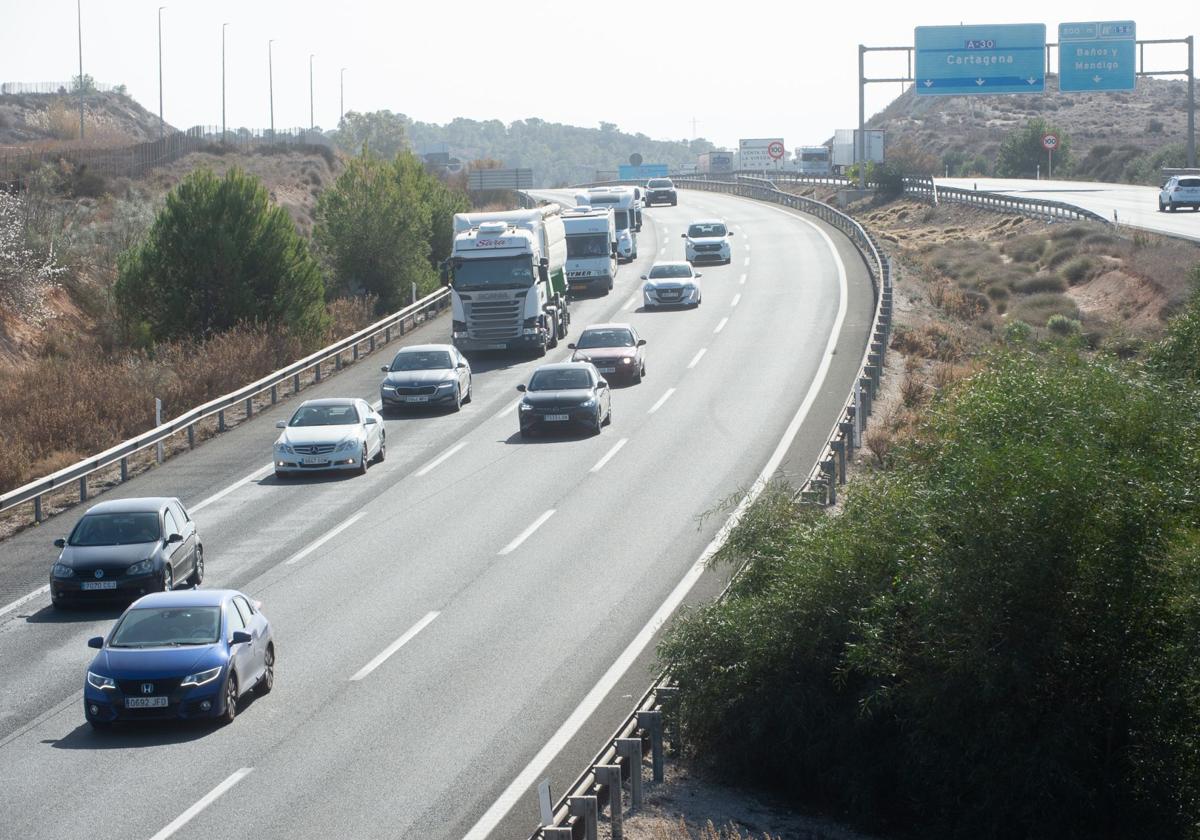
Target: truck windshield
point(494, 273)
point(660, 182)
point(622, 217)
point(584, 245)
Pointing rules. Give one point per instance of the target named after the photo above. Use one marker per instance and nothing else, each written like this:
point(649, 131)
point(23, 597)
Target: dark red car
point(615, 349)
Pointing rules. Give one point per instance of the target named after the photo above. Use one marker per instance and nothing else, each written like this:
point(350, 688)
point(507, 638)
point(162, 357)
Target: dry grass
point(680, 831)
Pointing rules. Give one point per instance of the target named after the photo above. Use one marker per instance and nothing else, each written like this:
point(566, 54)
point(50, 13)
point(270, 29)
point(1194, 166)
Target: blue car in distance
point(183, 654)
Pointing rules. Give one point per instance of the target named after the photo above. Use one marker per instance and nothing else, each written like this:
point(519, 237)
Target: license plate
point(315, 459)
point(553, 417)
point(98, 584)
point(579, 287)
point(416, 399)
point(607, 370)
point(145, 702)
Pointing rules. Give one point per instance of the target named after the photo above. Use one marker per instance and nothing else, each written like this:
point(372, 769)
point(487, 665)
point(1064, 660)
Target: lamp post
point(342, 98)
point(79, 21)
point(223, 25)
point(311, 121)
point(271, 85)
point(161, 122)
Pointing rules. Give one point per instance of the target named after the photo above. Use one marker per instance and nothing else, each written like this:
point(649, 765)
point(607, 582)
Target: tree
point(1178, 355)
point(382, 132)
point(1022, 152)
point(83, 84)
point(219, 254)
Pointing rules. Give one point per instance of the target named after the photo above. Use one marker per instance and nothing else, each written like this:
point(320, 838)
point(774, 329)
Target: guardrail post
point(631, 750)
point(587, 809)
point(318, 374)
point(839, 449)
point(372, 344)
point(249, 407)
point(356, 352)
point(296, 384)
point(124, 470)
point(668, 700)
point(83, 488)
point(864, 390)
point(556, 833)
point(829, 468)
point(387, 335)
point(221, 420)
point(846, 427)
point(652, 722)
point(609, 775)
point(37, 509)
point(337, 362)
point(274, 394)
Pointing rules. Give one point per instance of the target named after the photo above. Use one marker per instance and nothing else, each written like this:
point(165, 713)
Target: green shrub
point(1025, 249)
point(1063, 326)
point(1040, 283)
point(1178, 355)
point(1037, 308)
point(1017, 332)
point(1078, 270)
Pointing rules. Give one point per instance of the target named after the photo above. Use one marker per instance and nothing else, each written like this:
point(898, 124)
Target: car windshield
point(163, 627)
point(659, 182)
point(1189, 182)
point(422, 360)
point(116, 529)
point(670, 271)
point(583, 245)
point(605, 338)
point(700, 230)
point(340, 414)
point(494, 273)
point(561, 379)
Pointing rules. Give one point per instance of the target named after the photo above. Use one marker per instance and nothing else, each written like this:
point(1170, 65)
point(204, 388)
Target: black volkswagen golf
point(121, 550)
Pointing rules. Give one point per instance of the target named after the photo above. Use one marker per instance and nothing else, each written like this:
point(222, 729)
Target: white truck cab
point(591, 249)
point(623, 204)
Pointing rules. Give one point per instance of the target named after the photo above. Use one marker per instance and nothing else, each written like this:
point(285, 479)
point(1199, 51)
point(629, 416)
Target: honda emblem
point(147, 688)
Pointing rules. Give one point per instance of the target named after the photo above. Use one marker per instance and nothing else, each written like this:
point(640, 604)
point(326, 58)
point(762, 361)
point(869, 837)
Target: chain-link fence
point(13, 88)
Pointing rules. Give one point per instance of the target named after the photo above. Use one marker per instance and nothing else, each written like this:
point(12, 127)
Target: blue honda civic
point(184, 654)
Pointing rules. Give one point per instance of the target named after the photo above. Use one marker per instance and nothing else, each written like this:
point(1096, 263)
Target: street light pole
point(223, 25)
point(271, 84)
point(342, 98)
point(79, 20)
point(161, 122)
point(311, 121)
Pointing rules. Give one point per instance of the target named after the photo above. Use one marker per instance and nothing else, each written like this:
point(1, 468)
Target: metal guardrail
point(1038, 208)
point(398, 322)
point(576, 812)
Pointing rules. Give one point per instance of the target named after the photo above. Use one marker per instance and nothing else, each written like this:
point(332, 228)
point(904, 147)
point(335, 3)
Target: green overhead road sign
point(958, 60)
point(1096, 56)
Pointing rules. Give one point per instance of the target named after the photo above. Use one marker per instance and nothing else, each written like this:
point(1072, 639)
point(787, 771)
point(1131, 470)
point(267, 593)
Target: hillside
point(1109, 132)
point(42, 121)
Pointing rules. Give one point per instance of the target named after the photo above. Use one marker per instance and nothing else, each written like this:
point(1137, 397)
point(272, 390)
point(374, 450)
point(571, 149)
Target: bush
point(998, 637)
point(1040, 283)
point(1078, 270)
point(1037, 308)
point(1177, 356)
point(1063, 326)
point(1025, 249)
point(1017, 332)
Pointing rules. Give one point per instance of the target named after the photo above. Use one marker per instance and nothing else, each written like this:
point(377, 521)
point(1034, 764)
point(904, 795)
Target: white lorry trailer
point(591, 249)
point(813, 160)
point(507, 280)
point(845, 149)
point(624, 206)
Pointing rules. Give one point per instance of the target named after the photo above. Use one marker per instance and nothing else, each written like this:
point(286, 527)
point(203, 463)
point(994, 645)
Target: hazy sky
point(739, 69)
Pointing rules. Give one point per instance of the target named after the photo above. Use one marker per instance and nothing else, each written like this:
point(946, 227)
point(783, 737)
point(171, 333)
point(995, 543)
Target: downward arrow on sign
point(929, 83)
point(1031, 80)
point(979, 81)
point(1097, 79)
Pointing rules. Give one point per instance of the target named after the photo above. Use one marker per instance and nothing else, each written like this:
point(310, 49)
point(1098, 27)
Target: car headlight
point(689, 287)
point(142, 567)
point(582, 359)
point(347, 445)
point(62, 570)
point(588, 403)
point(202, 677)
point(103, 683)
point(446, 384)
point(285, 448)
point(625, 360)
point(526, 407)
point(388, 387)
point(649, 287)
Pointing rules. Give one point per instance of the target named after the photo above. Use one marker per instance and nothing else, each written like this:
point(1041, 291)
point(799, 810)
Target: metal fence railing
point(15, 88)
point(1038, 208)
point(369, 338)
point(620, 760)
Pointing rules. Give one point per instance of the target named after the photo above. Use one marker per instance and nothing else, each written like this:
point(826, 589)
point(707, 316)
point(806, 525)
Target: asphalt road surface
point(478, 612)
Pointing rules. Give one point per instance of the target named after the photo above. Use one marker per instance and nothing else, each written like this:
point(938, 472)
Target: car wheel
point(458, 398)
point(470, 391)
point(197, 567)
point(637, 377)
point(100, 725)
point(231, 697)
point(267, 681)
point(1161, 207)
point(608, 417)
point(362, 461)
point(168, 579)
point(673, 203)
point(526, 432)
point(379, 456)
point(1171, 207)
point(282, 476)
point(597, 424)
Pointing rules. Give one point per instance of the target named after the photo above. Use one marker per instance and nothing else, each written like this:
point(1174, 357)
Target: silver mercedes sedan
point(330, 434)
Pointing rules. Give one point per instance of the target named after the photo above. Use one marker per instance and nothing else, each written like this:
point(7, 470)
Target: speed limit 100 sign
point(775, 150)
point(1050, 142)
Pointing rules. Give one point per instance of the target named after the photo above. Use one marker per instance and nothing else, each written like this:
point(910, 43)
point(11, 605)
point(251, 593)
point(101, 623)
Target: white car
point(671, 284)
point(1180, 191)
point(705, 241)
point(330, 434)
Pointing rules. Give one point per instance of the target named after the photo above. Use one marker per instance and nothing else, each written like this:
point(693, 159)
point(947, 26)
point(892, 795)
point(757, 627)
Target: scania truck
point(591, 249)
point(507, 280)
point(624, 207)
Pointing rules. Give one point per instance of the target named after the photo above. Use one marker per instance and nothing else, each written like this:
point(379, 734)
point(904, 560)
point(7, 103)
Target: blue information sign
point(958, 60)
point(1097, 56)
point(625, 172)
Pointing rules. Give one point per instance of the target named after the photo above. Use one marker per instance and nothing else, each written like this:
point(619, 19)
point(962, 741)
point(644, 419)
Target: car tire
point(168, 579)
point(382, 453)
point(637, 377)
point(267, 681)
point(197, 576)
point(282, 476)
point(470, 391)
point(673, 203)
point(231, 697)
point(608, 417)
point(458, 399)
point(526, 432)
point(1161, 206)
point(597, 424)
point(1171, 207)
point(362, 461)
point(100, 725)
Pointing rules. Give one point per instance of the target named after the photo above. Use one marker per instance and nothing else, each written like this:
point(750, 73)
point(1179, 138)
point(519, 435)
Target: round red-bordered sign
point(1050, 142)
point(775, 150)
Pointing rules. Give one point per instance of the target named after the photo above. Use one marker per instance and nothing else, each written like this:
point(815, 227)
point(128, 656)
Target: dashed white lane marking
point(216, 497)
point(721, 325)
point(609, 455)
point(633, 301)
point(661, 400)
point(436, 462)
point(395, 646)
point(25, 599)
point(326, 537)
point(527, 533)
point(736, 299)
point(509, 409)
point(696, 359)
point(746, 261)
point(742, 280)
point(208, 799)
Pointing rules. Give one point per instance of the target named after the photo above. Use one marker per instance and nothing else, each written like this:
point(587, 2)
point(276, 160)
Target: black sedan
point(565, 395)
point(124, 549)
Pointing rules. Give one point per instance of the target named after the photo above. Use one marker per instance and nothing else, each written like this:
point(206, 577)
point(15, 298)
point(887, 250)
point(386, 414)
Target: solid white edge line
point(661, 400)
point(608, 457)
point(395, 646)
point(537, 766)
point(509, 409)
point(207, 800)
point(736, 299)
point(696, 359)
point(24, 599)
point(221, 494)
point(633, 301)
point(527, 533)
point(326, 537)
point(721, 325)
point(437, 462)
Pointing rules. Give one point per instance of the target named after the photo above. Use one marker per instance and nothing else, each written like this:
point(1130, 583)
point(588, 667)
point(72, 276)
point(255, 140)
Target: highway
point(478, 612)
point(1127, 204)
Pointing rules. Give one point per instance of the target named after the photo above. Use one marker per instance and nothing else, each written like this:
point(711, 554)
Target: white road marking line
point(216, 497)
point(436, 462)
point(304, 552)
point(721, 325)
point(696, 359)
point(661, 400)
point(527, 533)
point(662, 250)
point(24, 599)
point(395, 646)
point(571, 726)
point(746, 246)
point(207, 800)
point(746, 261)
point(509, 409)
point(608, 457)
point(633, 301)
point(736, 299)
point(742, 280)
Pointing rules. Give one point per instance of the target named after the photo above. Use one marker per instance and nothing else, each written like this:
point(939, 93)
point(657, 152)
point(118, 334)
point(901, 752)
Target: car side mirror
point(683, 236)
point(60, 543)
point(602, 384)
point(570, 346)
point(641, 342)
point(240, 637)
point(521, 388)
point(385, 369)
point(461, 365)
point(730, 233)
point(370, 421)
point(644, 277)
point(697, 275)
point(174, 538)
point(96, 642)
point(280, 424)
